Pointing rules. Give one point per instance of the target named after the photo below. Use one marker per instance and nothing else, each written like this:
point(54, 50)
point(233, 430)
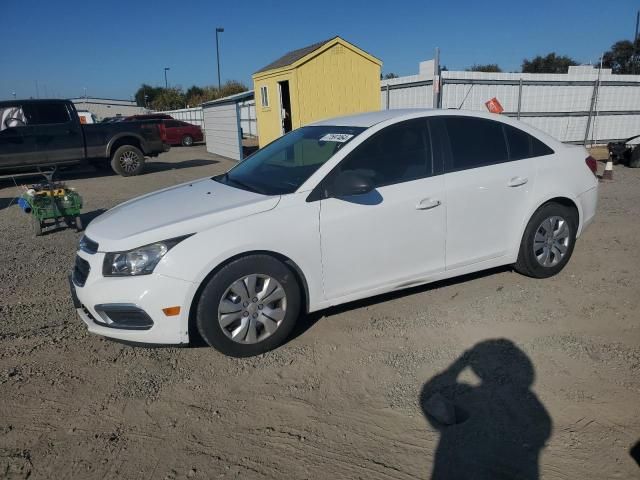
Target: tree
point(552, 63)
point(622, 57)
point(388, 76)
point(150, 92)
point(489, 67)
point(160, 98)
point(197, 95)
point(168, 99)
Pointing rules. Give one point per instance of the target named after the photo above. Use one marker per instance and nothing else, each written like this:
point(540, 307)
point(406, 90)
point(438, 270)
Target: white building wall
point(221, 129)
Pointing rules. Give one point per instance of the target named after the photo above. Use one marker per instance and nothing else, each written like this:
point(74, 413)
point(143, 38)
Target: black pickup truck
point(36, 134)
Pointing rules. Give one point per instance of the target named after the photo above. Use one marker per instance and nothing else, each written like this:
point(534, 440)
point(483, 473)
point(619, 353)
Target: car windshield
point(285, 164)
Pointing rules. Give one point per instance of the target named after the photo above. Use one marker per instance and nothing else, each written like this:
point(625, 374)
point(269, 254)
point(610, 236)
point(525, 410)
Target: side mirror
point(351, 182)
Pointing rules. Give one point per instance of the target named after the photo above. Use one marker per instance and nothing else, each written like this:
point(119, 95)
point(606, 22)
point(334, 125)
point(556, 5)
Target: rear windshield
point(285, 164)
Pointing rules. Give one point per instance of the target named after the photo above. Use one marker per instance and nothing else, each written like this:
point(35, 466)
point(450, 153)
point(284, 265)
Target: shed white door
point(222, 130)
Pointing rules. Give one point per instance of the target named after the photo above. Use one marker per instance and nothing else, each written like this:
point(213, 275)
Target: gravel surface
point(346, 396)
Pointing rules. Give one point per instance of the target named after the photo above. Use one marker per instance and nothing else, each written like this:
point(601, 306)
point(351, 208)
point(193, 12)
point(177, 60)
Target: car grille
point(87, 245)
point(80, 271)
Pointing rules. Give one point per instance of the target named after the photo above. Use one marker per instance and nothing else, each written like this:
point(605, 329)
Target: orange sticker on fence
point(494, 106)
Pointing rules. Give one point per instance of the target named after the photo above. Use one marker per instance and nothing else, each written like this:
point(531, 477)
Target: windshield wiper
point(241, 184)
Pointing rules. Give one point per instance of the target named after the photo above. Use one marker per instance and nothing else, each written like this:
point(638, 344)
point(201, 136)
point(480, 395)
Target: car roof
point(370, 119)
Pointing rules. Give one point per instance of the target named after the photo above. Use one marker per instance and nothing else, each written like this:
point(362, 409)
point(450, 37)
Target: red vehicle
point(149, 116)
point(182, 133)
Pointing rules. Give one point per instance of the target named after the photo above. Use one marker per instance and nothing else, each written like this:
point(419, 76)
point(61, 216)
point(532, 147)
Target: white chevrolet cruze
point(332, 212)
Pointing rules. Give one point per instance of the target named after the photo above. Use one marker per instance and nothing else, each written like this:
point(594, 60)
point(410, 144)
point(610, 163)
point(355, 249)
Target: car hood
point(175, 211)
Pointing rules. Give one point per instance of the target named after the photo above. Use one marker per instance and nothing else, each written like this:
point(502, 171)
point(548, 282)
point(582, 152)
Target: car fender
point(291, 230)
point(118, 136)
point(540, 201)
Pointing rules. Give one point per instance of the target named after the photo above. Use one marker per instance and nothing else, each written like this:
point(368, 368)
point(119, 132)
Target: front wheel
point(548, 241)
point(127, 161)
point(249, 307)
point(187, 141)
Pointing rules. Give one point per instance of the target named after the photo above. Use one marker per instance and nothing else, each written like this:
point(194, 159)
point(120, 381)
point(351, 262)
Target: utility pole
point(37, 90)
point(166, 84)
point(218, 30)
point(436, 79)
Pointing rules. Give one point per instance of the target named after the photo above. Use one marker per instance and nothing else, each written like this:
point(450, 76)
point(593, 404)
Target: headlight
point(139, 261)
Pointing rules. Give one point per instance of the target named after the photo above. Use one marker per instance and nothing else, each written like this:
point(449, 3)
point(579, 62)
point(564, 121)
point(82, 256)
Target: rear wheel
point(249, 307)
point(187, 141)
point(127, 161)
point(634, 161)
point(548, 241)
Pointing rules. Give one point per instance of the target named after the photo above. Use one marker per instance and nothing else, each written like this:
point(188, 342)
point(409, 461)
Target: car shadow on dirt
point(496, 427)
point(7, 202)
point(307, 321)
point(88, 171)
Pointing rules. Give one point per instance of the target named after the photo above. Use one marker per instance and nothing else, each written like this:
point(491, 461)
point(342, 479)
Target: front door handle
point(517, 181)
point(427, 203)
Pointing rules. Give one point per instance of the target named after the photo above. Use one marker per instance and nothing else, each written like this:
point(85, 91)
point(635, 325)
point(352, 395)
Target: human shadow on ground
point(493, 430)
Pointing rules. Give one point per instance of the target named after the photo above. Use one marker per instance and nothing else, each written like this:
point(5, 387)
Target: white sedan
point(330, 213)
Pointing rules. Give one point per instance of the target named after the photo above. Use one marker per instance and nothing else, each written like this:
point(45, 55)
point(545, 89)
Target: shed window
point(264, 96)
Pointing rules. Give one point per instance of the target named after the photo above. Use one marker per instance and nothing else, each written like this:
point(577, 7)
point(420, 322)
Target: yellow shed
point(320, 81)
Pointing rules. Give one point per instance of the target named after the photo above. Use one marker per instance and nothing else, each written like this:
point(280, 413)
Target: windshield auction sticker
point(336, 137)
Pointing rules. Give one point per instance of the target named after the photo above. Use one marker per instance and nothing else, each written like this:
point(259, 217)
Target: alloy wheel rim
point(551, 241)
point(129, 161)
point(252, 308)
point(188, 141)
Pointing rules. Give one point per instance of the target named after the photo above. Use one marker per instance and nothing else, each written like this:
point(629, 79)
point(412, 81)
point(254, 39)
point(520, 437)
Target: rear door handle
point(427, 203)
point(517, 181)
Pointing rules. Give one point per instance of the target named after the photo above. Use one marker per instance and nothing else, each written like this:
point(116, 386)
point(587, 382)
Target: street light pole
point(166, 84)
point(218, 30)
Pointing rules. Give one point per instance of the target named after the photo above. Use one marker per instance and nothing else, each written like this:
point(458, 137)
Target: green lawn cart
point(52, 202)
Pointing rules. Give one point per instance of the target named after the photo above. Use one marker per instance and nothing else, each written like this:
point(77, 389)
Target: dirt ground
point(345, 397)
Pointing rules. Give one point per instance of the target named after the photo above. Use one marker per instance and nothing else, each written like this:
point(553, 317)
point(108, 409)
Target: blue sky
point(111, 47)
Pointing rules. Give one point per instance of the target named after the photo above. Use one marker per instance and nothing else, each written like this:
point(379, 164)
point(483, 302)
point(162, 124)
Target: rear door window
point(51, 113)
point(475, 142)
point(172, 124)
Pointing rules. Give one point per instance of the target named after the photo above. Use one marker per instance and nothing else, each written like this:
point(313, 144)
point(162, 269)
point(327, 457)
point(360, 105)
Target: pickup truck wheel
point(187, 141)
point(127, 161)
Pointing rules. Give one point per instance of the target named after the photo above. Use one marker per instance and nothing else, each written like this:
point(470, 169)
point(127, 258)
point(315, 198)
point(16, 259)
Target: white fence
point(195, 116)
point(190, 115)
point(572, 107)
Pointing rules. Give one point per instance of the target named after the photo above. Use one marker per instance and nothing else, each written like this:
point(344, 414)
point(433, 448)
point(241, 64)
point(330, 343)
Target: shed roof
point(236, 97)
point(292, 57)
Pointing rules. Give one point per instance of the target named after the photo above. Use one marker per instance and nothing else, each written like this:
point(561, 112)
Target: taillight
point(592, 164)
point(163, 132)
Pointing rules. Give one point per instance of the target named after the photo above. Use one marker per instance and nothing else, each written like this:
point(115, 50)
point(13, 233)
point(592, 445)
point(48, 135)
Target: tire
point(534, 241)
point(127, 161)
point(187, 141)
point(37, 226)
point(218, 304)
point(634, 161)
point(78, 223)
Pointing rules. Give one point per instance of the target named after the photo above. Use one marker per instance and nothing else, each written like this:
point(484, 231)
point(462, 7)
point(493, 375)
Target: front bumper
point(101, 300)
